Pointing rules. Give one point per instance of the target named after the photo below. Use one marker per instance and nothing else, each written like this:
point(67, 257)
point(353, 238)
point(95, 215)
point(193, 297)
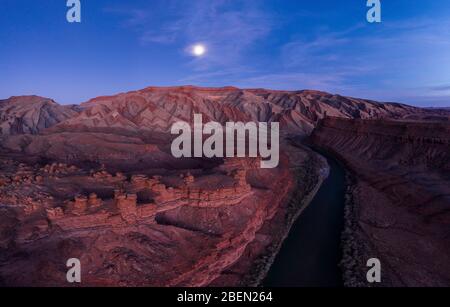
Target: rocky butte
point(98, 182)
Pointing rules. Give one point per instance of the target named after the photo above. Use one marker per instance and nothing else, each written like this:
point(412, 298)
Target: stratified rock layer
point(31, 114)
point(156, 109)
point(399, 201)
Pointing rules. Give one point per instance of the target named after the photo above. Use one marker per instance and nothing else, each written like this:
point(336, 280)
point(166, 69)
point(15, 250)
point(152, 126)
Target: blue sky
point(279, 44)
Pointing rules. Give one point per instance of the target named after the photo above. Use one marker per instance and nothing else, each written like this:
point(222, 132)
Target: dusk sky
point(278, 44)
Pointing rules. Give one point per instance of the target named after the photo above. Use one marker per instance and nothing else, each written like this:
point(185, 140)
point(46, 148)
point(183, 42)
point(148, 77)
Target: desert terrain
point(97, 181)
point(397, 200)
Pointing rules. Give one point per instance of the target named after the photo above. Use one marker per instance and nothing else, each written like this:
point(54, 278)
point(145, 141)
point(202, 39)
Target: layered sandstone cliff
point(398, 200)
point(161, 227)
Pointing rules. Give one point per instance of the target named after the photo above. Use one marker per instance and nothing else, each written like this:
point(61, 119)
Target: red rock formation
point(156, 109)
point(94, 201)
point(55, 213)
point(80, 205)
point(31, 114)
point(127, 205)
point(399, 203)
point(218, 224)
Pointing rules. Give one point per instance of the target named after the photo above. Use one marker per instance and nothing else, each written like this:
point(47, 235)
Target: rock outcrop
point(192, 223)
point(31, 114)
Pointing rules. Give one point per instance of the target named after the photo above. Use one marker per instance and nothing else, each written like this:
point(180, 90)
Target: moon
point(198, 50)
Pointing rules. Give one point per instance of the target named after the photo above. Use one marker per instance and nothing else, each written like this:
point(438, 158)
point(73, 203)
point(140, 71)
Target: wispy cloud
point(380, 61)
point(133, 17)
point(227, 27)
point(295, 81)
point(320, 49)
point(227, 32)
point(440, 88)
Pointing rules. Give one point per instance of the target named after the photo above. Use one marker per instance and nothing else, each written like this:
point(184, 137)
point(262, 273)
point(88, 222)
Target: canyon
point(397, 199)
point(97, 182)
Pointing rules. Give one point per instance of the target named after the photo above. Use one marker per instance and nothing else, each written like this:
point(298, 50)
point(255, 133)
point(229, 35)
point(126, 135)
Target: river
point(310, 255)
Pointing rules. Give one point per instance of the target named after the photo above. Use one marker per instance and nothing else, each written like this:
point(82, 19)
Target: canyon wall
point(398, 199)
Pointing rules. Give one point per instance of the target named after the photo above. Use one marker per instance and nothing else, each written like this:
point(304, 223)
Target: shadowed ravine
point(311, 253)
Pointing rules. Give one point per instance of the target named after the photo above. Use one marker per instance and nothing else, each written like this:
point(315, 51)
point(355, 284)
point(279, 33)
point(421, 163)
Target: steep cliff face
point(31, 114)
point(399, 200)
point(390, 143)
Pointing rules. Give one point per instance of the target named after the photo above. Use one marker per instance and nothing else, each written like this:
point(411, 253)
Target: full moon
point(198, 50)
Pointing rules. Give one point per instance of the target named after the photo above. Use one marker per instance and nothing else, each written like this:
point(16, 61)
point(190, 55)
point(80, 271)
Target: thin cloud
point(133, 17)
point(228, 33)
point(440, 88)
point(227, 30)
point(361, 60)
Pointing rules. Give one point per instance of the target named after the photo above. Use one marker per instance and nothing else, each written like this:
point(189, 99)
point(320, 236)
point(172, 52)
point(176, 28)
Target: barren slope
point(31, 114)
point(156, 109)
point(399, 200)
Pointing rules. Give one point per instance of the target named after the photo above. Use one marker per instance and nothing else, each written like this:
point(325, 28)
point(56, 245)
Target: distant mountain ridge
point(31, 114)
point(155, 109)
